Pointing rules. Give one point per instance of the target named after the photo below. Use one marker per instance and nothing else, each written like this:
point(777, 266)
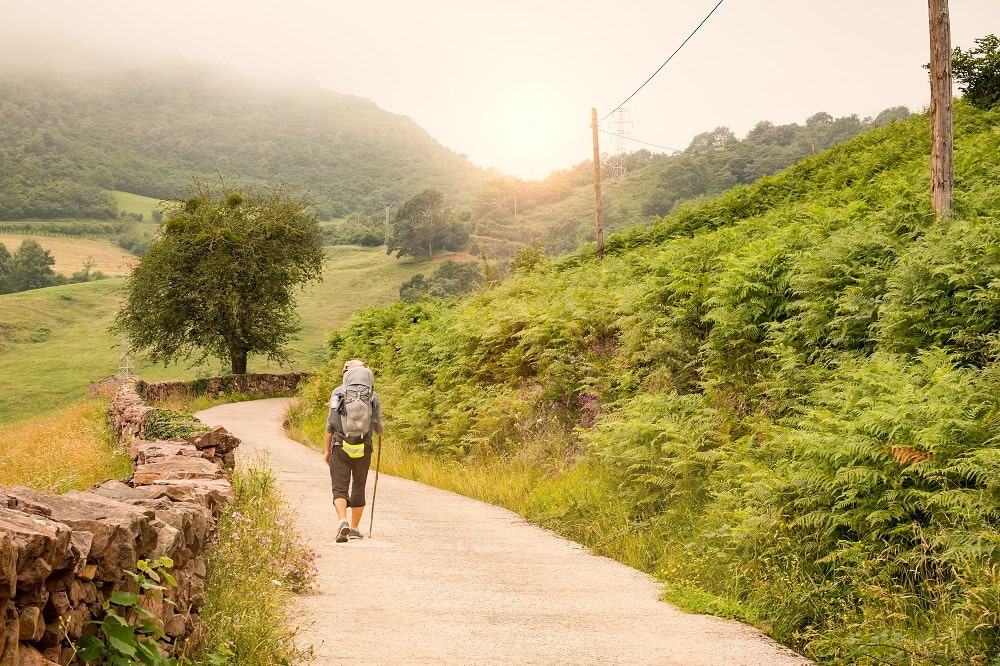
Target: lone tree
point(218, 282)
point(424, 225)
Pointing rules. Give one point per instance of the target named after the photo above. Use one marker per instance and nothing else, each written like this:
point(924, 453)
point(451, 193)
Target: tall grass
point(56, 455)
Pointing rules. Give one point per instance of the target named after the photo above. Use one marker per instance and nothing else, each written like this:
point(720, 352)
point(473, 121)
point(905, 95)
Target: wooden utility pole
point(597, 187)
point(942, 141)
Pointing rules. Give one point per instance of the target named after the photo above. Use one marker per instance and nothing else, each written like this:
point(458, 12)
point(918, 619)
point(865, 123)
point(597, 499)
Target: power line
point(666, 61)
point(645, 143)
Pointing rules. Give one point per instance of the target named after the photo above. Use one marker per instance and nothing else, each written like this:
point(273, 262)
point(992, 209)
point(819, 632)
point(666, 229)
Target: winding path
point(450, 580)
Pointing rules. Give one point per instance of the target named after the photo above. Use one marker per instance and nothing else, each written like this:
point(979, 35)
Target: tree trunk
point(942, 157)
point(238, 362)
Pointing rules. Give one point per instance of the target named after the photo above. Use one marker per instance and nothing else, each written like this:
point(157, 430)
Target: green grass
point(354, 278)
point(136, 203)
point(54, 342)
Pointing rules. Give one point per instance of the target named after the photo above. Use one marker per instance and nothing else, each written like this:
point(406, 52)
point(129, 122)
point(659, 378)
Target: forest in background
point(68, 142)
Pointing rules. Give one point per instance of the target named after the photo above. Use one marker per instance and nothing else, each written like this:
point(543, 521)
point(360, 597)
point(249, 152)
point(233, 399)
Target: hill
point(782, 400)
point(70, 135)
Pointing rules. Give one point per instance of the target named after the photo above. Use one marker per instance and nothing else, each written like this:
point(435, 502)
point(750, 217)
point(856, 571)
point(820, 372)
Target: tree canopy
point(978, 71)
point(219, 280)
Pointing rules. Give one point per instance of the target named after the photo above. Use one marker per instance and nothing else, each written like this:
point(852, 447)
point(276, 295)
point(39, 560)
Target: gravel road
point(450, 580)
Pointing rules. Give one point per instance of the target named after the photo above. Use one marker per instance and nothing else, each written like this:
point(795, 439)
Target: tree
point(219, 280)
point(978, 72)
point(31, 267)
point(5, 261)
point(423, 225)
point(891, 115)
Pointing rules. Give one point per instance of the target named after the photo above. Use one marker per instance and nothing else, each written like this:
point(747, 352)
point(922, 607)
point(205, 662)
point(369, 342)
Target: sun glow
point(533, 132)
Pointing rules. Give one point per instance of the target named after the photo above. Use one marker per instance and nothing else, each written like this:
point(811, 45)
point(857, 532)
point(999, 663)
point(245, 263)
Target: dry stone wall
point(259, 384)
point(62, 556)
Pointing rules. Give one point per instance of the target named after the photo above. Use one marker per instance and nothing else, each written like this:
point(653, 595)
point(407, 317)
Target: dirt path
point(450, 580)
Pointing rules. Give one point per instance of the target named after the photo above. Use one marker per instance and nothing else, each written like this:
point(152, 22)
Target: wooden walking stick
point(378, 461)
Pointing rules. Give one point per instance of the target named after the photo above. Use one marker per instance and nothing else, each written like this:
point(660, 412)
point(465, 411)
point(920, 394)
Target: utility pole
point(942, 139)
point(597, 187)
point(387, 205)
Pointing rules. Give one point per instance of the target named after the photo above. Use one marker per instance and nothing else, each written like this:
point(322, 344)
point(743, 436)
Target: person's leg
point(359, 476)
point(340, 506)
point(356, 512)
point(340, 481)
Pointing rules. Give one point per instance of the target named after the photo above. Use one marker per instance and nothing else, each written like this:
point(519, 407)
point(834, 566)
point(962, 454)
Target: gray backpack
point(356, 405)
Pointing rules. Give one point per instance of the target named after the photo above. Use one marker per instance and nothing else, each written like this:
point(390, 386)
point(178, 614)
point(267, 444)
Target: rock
point(176, 468)
point(29, 656)
point(8, 626)
point(42, 544)
point(31, 625)
point(176, 626)
point(122, 533)
point(147, 452)
point(8, 566)
point(10, 653)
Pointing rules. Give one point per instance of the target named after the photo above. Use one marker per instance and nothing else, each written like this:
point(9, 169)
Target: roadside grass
point(73, 452)
point(258, 560)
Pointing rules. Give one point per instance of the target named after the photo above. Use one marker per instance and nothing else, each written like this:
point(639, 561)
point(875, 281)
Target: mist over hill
point(76, 127)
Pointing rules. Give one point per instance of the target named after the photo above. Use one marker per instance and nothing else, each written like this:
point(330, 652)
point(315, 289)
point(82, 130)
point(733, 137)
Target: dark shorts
point(348, 476)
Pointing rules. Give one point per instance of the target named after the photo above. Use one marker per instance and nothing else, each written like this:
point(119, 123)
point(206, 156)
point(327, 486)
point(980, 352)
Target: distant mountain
point(66, 138)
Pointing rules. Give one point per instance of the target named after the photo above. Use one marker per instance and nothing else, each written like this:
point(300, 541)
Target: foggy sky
point(512, 84)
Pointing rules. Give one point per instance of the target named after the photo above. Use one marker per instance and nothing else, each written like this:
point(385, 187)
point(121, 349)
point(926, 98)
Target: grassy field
point(54, 343)
point(72, 253)
point(136, 204)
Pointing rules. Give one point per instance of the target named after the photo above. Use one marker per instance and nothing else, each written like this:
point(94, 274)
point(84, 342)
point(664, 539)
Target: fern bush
point(890, 505)
point(944, 293)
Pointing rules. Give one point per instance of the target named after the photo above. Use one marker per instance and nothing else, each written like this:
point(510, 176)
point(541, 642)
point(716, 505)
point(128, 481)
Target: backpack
point(356, 410)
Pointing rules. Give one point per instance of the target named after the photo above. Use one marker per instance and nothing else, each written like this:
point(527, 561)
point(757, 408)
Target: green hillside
point(54, 342)
point(781, 401)
point(67, 140)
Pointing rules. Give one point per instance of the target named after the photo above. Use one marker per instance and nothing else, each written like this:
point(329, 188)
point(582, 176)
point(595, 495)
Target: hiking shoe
point(354, 534)
point(344, 530)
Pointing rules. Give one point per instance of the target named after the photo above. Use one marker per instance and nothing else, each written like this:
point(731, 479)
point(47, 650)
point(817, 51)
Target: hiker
point(355, 413)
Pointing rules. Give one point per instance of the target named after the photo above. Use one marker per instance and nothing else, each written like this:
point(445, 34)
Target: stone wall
point(61, 556)
point(261, 384)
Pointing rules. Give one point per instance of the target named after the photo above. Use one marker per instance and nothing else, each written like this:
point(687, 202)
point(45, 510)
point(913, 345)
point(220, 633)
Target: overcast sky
point(511, 84)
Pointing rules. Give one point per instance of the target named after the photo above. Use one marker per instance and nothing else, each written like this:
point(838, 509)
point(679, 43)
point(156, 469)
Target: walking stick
point(378, 461)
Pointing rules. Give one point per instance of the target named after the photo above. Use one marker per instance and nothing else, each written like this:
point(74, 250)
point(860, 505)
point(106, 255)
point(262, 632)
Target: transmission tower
point(387, 205)
point(126, 366)
point(619, 124)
